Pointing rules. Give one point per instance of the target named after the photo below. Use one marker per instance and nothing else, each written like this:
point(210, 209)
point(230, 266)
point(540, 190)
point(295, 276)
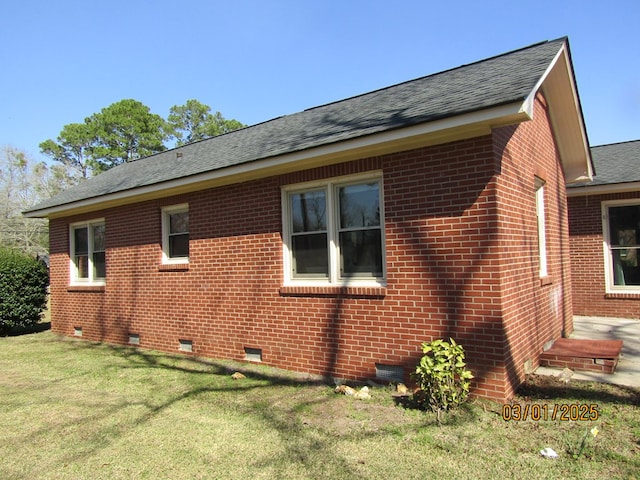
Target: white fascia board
point(558, 84)
point(603, 189)
point(439, 131)
point(530, 100)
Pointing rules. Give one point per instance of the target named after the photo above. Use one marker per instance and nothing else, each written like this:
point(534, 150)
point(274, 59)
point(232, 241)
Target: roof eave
point(603, 189)
point(559, 87)
point(459, 127)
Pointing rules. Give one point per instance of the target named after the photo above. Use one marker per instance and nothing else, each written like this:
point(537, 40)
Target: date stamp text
point(563, 412)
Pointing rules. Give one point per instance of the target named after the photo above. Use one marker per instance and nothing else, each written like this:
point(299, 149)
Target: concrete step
point(583, 355)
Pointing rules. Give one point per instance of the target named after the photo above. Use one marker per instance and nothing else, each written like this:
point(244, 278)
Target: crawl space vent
point(186, 345)
point(134, 339)
point(77, 331)
point(253, 354)
point(389, 373)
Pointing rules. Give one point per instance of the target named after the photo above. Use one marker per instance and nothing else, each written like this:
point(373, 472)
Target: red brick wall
point(448, 232)
point(587, 261)
point(535, 310)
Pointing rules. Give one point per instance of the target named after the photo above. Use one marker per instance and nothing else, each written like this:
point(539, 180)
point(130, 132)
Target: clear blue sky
point(61, 61)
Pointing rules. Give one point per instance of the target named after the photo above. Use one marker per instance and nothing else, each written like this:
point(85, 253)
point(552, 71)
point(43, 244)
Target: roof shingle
point(488, 83)
point(615, 163)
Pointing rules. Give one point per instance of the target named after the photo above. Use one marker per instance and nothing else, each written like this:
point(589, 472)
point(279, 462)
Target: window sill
point(173, 267)
point(623, 295)
point(86, 288)
point(546, 281)
point(333, 291)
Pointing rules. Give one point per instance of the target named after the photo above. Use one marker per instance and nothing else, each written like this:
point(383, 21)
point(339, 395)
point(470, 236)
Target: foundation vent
point(77, 331)
point(186, 345)
point(253, 354)
point(134, 339)
point(389, 373)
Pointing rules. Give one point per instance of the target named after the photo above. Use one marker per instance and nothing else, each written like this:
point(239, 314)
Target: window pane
point(308, 211)
point(361, 253)
point(98, 238)
point(179, 246)
point(624, 224)
point(310, 255)
point(81, 240)
point(626, 270)
point(359, 205)
point(82, 264)
point(179, 222)
point(99, 265)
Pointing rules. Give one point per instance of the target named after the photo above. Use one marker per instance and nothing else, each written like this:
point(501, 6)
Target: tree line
point(127, 130)
point(122, 132)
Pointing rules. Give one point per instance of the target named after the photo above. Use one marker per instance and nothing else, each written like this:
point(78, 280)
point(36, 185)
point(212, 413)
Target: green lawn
point(75, 409)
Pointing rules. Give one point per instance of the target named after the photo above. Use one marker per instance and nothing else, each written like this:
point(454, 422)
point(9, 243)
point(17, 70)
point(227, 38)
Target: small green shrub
point(23, 290)
point(441, 376)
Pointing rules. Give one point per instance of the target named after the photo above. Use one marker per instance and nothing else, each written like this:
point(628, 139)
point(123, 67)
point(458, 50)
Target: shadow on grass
point(303, 447)
point(19, 331)
point(539, 387)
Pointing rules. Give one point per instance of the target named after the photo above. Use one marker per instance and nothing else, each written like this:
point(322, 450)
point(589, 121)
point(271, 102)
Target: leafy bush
point(23, 290)
point(441, 375)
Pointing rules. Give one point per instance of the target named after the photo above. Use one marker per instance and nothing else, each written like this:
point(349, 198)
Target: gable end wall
point(535, 310)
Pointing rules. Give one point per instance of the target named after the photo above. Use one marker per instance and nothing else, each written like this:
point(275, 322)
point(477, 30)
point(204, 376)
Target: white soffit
point(560, 91)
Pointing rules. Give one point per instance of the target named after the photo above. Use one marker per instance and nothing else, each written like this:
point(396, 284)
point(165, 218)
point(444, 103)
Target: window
point(88, 261)
point(334, 231)
point(542, 236)
point(175, 234)
point(621, 226)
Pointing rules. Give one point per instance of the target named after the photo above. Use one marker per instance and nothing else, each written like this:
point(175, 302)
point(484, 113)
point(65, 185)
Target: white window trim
point(334, 279)
point(606, 238)
point(166, 211)
point(542, 227)
point(73, 270)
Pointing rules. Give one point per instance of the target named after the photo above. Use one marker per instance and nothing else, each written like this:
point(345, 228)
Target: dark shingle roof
point(615, 163)
point(492, 82)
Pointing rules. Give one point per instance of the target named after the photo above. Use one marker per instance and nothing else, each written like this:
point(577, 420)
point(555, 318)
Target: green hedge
point(23, 290)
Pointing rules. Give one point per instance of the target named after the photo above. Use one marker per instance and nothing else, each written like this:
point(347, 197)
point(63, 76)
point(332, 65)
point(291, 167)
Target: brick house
point(604, 229)
point(336, 240)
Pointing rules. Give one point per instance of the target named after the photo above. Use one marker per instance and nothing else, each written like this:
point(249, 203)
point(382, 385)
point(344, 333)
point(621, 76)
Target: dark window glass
point(359, 206)
point(360, 235)
point(361, 253)
point(310, 255)
point(308, 211)
point(624, 238)
point(179, 246)
point(179, 235)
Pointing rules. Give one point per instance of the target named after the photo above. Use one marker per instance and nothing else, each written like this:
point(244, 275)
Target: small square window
point(175, 234)
point(88, 253)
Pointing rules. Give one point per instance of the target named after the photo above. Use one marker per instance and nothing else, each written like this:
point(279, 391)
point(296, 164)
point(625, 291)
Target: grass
point(76, 409)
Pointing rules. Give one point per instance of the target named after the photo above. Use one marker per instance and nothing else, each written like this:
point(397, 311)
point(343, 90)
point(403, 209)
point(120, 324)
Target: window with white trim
point(87, 252)
point(334, 231)
point(542, 235)
point(175, 234)
point(621, 227)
